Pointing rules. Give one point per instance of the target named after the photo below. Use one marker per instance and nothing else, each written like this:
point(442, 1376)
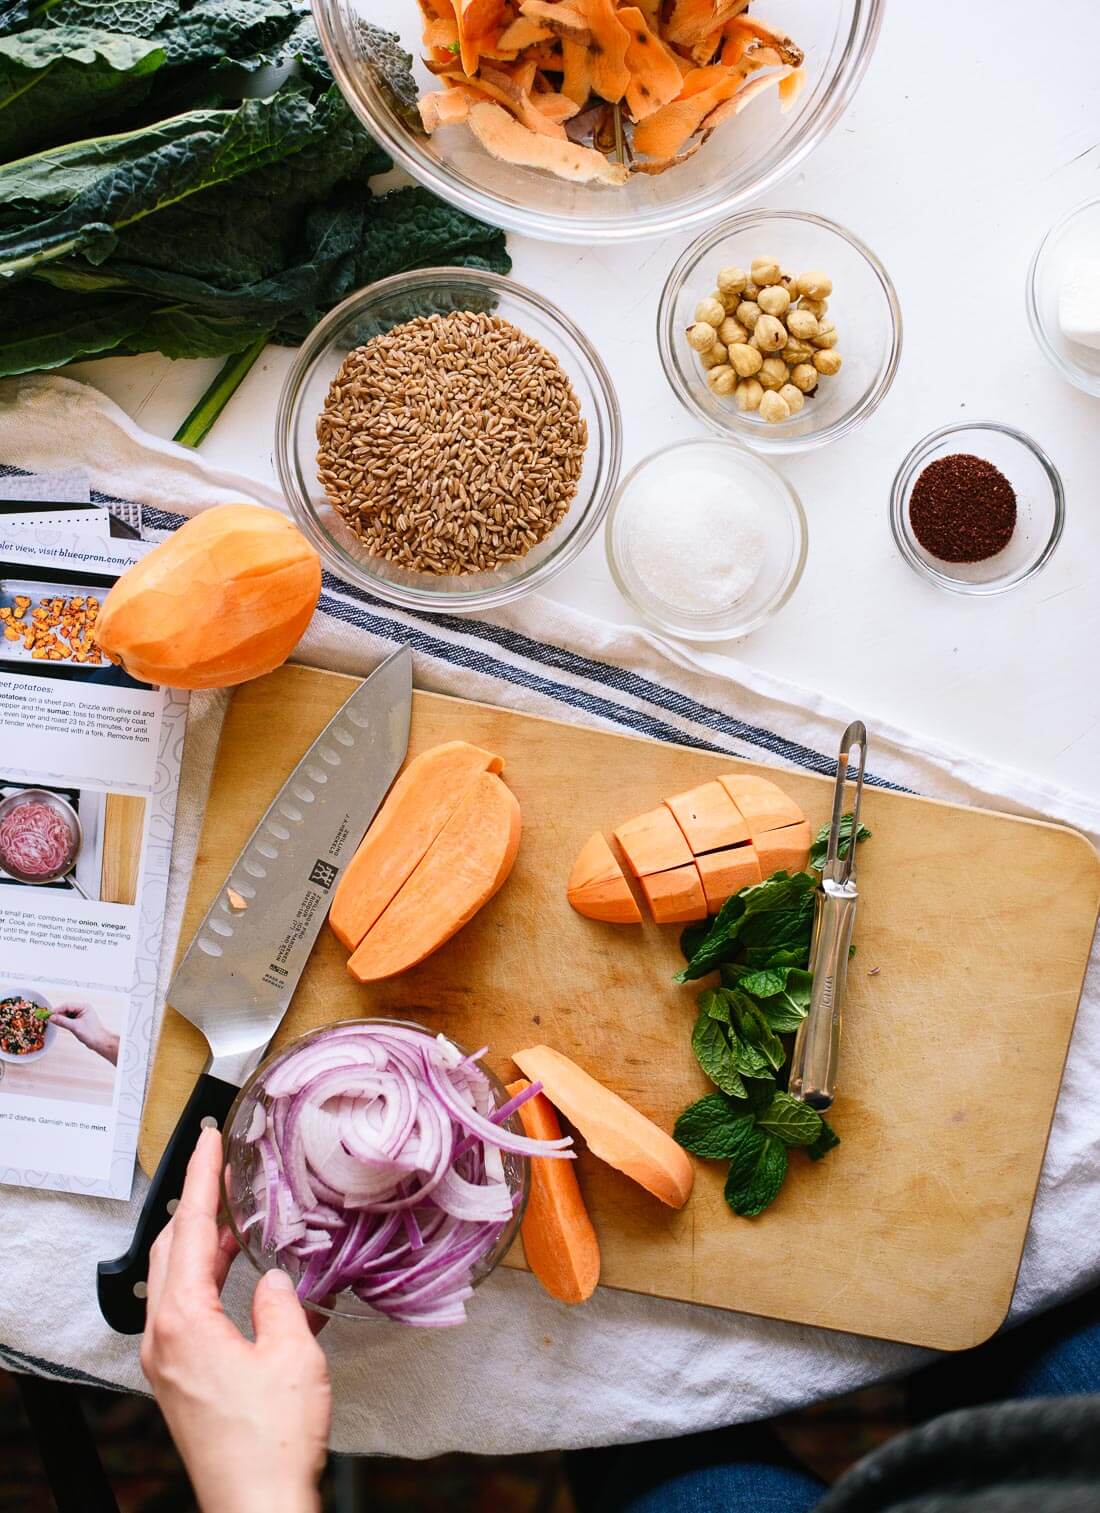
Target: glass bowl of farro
point(448, 439)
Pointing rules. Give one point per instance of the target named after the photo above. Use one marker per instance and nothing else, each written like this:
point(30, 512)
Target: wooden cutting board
point(973, 936)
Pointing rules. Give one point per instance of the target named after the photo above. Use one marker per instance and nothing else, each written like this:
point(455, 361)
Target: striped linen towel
point(525, 1373)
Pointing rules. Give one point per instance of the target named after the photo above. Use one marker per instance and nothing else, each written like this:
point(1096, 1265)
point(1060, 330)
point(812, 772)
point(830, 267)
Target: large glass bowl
point(378, 308)
point(863, 305)
point(742, 160)
point(241, 1164)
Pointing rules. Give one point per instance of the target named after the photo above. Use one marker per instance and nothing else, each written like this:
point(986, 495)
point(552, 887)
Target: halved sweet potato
point(653, 842)
point(510, 141)
point(675, 897)
point(709, 818)
point(559, 1242)
point(725, 873)
point(597, 887)
point(418, 806)
point(664, 133)
point(467, 863)
point(655, 78)
point(786, 850)
point(692, 20)
point(614, 1130)
point(763, 805)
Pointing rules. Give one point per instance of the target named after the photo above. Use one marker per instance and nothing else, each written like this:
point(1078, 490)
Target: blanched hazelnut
point(802, 324)
point(731, 331)
point(794, 397)
point(773, 373)
point(765, 270)
point(814, 306)
point(827, 363)
point(702, 336)
point(712, 311)
point(815, 284)
point(714, 356)
point(804, 376)
point(771, 334)
point(774, 408)
point(750, 291)
point(722, 380)
point(774, 300)
point(745, 360)
point(748, 394)
point(827, 335)
point(732, 280)
point(797, 351)
point(748, 313)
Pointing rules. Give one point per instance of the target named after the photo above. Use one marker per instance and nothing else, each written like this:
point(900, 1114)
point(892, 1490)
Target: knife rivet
point(140, 1289)
point(172, 1205)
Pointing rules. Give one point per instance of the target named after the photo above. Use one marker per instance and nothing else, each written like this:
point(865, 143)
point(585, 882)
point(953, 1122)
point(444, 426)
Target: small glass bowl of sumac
point(977, 508)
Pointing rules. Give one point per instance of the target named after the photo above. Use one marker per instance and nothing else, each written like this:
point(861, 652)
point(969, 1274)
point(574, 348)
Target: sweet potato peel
point(643, 84)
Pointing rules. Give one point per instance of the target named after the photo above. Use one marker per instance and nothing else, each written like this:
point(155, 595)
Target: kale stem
point(221, 391)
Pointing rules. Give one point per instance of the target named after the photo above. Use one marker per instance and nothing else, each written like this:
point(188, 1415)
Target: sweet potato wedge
point(709, 818)
point(466, 864)
point(724, 873)
point(418, 806)
point(675, 897)
point(559, 1242)
point(785, 850)
point(597, 887)
point(653, 842)
point(763, 805)
point(615, 1131)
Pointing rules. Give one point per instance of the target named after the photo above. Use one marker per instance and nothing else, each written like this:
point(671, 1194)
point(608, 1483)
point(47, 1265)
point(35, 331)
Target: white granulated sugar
point(696, 539)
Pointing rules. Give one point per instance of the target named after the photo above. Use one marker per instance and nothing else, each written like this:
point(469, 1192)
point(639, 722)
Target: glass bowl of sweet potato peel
point(595, 120)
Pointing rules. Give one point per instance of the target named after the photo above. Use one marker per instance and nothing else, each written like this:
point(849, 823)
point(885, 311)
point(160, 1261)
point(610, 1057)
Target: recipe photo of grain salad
point(452, 443)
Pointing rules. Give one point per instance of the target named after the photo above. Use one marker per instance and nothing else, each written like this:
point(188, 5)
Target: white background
point(977, 126)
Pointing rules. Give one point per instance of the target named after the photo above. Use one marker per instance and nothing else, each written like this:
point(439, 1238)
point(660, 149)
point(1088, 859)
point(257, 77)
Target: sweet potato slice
point(709, 818)
point(655, 78)
point(507, 139)
point(597, 887)
point(418, 806)
point(763, 805)
point(614, 1130)
point(675, 897)
point(786, 850)
point(653, 842)
point(559, 1242)
point(664, 133)
point(725, 873)
point(692, 20)
point(467, 863)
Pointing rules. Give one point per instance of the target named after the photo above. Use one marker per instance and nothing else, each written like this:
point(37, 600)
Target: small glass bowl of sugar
point(706, 540)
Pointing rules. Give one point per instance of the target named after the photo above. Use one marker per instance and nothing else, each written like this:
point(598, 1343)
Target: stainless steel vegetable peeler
point(817, 1044)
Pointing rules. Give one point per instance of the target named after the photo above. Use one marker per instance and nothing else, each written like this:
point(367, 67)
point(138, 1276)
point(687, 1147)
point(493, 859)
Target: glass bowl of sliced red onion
point(381, 1166)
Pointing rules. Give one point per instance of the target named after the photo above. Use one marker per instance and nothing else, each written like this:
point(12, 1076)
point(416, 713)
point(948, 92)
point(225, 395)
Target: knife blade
point(238, 975)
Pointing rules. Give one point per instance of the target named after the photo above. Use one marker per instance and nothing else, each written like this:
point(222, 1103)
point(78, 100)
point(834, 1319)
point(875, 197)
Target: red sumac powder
point(962, 509)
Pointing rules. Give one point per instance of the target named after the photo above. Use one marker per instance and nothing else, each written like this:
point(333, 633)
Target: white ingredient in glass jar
point(1079, 302)
point(696, 541)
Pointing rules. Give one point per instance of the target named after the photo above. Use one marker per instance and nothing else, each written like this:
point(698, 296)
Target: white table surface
point(973, 131)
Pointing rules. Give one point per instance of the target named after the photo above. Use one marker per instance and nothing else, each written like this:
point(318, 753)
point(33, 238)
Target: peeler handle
point(817, 1044)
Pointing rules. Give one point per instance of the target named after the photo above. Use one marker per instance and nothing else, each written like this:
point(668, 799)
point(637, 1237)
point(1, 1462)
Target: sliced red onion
point(378, 1169)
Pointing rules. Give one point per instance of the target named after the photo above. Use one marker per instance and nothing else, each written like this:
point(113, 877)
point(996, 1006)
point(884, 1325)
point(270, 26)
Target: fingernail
point(279, 1281)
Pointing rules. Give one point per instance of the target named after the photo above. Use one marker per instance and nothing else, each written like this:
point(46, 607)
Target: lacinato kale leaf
point(392, 68)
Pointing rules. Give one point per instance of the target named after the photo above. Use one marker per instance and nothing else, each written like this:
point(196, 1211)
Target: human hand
point(250, 1420)
point(83, 1022)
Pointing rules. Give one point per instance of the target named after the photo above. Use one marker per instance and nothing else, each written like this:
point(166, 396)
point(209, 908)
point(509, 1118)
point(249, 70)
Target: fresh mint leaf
point(712, 1127)
point(756, 1173)
point(753, 1030)
point(827, 1140)
point(749, 1059)
point(692, 937)
point(775, 915)
point(712, 1051)
point(820, 846)
point(795, 1123)
point(782, 994)
point(715, 1003)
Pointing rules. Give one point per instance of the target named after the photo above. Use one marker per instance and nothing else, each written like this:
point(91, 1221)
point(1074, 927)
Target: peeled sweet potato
point(614, 1131)
point(653, 842)
point(597, 887)
point(510, 141)
point(675, 897)
point(418, 806)
point(559, 1242)
point(468, 862)
point(725, 873)
point(785, 850)
point(709, 818)
point(763, 805)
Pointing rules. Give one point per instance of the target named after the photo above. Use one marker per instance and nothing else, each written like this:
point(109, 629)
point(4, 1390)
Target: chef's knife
point(817, 1044)
point(240, 971)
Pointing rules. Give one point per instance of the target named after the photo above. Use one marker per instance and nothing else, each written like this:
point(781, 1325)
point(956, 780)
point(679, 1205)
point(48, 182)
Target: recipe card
point(88, 785)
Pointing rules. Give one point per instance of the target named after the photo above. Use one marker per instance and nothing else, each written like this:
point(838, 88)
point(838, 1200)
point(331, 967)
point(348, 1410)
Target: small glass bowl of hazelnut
point(779, 328)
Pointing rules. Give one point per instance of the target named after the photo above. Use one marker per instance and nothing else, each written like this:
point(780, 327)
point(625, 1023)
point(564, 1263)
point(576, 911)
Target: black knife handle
point(120, 1284)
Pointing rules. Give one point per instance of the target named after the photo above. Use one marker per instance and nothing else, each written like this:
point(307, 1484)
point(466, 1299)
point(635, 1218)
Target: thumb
point(277, 1315)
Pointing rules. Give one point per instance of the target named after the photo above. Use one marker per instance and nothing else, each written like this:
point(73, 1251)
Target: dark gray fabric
point(1041, 1456)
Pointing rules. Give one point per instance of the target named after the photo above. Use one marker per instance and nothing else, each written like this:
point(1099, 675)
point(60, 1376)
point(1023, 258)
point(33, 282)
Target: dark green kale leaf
point(392, 68)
